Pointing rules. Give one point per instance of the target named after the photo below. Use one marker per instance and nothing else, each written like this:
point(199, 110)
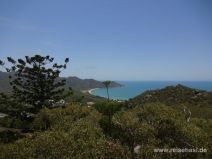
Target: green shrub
point(63, 117)
point(84, 139)
point(108, 109)
point(9, 136)
point(158, 126)
point(13, 122)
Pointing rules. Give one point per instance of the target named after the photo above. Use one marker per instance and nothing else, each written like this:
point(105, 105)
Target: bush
point(13, 122)
point(63, 117)
point(9, 136)
point(158, 126)
point(83, 139)
point(108, 109)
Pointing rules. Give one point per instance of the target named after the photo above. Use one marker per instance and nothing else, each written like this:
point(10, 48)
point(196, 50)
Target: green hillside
point(198, 101)
point(86, 126)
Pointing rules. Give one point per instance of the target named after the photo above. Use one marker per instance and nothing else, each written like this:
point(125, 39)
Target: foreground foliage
point(72, 132)
point(113, 130)
point(158, 126)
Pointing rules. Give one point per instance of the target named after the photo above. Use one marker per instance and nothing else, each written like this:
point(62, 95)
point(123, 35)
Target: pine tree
point(34, 80)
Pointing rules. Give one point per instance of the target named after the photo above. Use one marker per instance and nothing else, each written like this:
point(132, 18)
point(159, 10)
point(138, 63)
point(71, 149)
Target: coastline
point(132, 89)
point(91, 90)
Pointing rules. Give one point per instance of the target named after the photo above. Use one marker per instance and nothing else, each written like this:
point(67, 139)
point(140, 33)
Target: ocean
point(131, 89)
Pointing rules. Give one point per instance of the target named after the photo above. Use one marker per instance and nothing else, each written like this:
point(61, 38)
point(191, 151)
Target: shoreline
point(90, 90)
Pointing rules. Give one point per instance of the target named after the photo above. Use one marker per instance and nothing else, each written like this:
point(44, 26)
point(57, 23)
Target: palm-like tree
point(107, 83)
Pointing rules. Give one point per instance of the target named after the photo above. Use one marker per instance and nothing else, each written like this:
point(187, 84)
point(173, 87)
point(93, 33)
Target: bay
point(131, 89)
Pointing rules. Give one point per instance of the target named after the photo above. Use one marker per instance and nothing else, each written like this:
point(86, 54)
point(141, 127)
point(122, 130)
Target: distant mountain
point(74, 82)
point(84, 84)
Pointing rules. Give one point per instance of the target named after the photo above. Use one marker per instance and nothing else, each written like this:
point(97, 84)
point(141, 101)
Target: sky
point(113, 39)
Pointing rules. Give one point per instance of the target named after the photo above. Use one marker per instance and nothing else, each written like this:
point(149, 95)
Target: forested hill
point(179, 96)
point(74, 82)
point(84, 84)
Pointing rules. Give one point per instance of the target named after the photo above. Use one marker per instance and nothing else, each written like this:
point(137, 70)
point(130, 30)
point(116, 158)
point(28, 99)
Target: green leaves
point(156, 125)
point(1, 63)
point(34, 81)
point(107, 83)
point(66, 60)
point(28, 59)
point(72, 132)
point(22, 62)
point(11, 60)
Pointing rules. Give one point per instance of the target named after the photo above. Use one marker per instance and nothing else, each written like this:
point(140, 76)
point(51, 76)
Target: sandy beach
point(89, 91)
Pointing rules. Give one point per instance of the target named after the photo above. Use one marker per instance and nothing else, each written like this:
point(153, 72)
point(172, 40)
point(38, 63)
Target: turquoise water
point(131, 89)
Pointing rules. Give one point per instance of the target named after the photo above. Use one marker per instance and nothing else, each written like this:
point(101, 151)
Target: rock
point(2, 115)
point(137, 149)
point(90, 103)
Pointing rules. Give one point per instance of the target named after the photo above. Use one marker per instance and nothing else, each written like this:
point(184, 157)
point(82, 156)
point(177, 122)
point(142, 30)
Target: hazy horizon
point(133, 80)
point(118, 40)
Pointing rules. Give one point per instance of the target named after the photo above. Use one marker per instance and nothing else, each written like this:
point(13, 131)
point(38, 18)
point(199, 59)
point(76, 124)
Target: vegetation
point(153, 126)
point(197, 101)
point(107, 84)
point(82, 132)
point(173, 117)
point(108, 109)
point(7, 136)
point(33, 83)
point(73, 131)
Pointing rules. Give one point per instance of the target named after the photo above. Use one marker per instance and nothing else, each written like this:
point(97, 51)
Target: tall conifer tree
point(34, 80)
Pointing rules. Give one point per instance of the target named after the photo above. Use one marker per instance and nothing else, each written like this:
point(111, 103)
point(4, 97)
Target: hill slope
point(84, 84)
point(198, 101)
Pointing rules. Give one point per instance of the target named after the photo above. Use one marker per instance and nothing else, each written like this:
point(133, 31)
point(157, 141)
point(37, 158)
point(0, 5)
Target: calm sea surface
point(131, 89)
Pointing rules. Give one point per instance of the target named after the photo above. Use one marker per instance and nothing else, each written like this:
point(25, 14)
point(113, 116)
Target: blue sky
point(113, 39)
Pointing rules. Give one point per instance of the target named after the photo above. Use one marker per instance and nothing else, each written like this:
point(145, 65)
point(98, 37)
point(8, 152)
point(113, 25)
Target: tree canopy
point(34, 80)
point(107, 84)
